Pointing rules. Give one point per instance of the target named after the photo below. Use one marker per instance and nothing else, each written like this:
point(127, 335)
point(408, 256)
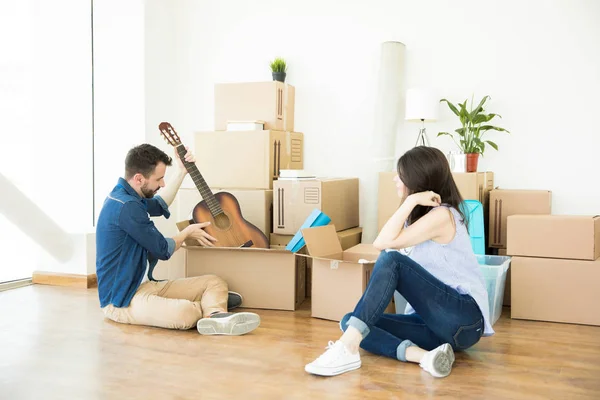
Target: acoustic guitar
point(222, 209)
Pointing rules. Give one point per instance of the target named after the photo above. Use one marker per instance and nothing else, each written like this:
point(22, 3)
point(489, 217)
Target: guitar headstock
point(169, 134)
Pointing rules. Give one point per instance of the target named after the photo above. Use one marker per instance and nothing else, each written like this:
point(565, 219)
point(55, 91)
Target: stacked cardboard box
point(253, 141)
point(555, 267)
point(502, 204)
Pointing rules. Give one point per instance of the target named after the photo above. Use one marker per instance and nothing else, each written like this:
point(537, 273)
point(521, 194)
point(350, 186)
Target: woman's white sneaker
point(438, 362)
point(336, 360)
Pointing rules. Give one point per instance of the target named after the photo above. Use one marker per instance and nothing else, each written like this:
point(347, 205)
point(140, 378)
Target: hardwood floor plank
point(56, 344)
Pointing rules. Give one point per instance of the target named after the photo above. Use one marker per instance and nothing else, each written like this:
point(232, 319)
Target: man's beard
point(147, 192)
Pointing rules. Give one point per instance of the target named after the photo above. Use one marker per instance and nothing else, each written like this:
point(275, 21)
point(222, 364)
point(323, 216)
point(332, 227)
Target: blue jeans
point(443, 315)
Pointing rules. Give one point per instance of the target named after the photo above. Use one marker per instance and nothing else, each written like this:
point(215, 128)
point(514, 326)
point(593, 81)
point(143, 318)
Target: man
point(128, 247)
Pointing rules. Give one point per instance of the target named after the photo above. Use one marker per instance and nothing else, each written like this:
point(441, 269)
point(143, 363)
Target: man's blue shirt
point(127, 241)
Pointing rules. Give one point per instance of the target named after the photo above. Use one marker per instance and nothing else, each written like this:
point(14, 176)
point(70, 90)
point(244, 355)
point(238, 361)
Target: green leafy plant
point(278, 65)
point(475, 124)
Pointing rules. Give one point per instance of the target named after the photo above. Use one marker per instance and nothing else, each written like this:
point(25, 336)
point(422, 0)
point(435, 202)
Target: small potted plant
point(475, 123)
point(278, 68)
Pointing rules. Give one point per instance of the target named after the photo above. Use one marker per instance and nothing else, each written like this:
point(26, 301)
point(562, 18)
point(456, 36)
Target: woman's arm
point(433, 225)
point(394, 225)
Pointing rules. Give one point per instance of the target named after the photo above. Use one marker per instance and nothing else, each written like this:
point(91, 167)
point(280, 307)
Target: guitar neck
point(205, 192)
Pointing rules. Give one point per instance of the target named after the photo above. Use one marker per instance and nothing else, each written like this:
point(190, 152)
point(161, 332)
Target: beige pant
point(177, 304)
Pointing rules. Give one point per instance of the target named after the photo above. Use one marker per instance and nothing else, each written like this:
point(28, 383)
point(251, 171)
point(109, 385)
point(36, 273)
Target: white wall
point(46, 140)
point(537, 59)
point(119, 89)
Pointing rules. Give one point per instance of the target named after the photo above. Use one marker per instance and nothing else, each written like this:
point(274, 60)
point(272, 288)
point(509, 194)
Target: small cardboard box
point(556, 290)
point(504, 203)
point(247, 159)
point(271, 102)
point(338, 279)
point(554, 236)
point(474, 185)
point(256, 205)
point(266, 278)
point(348, 238)
point(295, 199)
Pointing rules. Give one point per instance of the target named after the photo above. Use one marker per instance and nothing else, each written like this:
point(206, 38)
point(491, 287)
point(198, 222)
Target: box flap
point(322, 241)
point(316, 218)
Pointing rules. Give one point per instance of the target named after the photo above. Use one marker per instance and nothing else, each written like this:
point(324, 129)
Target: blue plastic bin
point(473, 209)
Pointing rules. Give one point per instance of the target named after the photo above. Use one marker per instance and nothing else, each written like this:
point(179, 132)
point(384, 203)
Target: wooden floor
point(55, 344)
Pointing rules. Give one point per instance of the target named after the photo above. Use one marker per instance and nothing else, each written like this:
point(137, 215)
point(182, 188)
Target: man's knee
point(215, 281)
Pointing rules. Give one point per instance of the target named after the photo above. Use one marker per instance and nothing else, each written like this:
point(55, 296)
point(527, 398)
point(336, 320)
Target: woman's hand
point(427, 199)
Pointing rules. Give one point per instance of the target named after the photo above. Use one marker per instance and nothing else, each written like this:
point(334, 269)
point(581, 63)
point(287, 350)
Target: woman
point(428, 259)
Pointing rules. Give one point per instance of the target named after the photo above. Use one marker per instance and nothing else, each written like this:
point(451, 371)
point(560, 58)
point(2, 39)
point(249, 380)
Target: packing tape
point(288, 146)
point(334, 264)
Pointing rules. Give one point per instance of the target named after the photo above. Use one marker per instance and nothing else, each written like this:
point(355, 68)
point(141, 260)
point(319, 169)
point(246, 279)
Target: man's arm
point(169, 192)
point(135, 222)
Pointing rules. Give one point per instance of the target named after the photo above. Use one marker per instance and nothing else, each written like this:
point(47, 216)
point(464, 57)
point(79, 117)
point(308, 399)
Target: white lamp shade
point(421, 104)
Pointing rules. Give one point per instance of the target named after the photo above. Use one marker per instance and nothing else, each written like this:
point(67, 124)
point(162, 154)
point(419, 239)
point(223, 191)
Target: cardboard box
point(266, 278)
point(256, 205)
point(556, 290)
point(271, 102)
point(504, 203)
point(474, 185)
point(348, 238)
point(554, 236)
point(247, 159)
point(338, 280)
point(295, 199)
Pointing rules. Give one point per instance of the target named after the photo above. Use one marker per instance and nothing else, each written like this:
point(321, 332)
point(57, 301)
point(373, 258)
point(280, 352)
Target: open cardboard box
point(338, 279)
point(272, 279)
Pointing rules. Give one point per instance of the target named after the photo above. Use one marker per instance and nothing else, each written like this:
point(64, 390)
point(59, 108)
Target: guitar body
point(229, 227)
point(222, 210)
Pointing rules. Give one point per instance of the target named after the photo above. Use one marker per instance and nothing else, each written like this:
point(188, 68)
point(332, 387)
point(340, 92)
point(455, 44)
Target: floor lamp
point(422, 106)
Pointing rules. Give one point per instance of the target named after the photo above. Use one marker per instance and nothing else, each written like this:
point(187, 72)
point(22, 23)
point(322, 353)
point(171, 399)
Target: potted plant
point(278, 68)
point(475, 123)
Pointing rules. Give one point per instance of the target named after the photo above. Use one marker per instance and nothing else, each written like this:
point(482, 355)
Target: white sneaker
point(228, 324)
point(438, 362)
point(336, 360)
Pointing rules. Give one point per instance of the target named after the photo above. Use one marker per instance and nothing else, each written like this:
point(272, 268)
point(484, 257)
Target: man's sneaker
point(234, 300)
point(336, 360)
point(438, 362)
point(228, 324)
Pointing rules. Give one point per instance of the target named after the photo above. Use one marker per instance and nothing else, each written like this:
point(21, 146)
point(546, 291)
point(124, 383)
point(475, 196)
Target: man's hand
point(196, 231)
point(189, 157)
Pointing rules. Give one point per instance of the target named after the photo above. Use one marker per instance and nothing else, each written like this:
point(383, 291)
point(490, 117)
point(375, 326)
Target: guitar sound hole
point(222, 221)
